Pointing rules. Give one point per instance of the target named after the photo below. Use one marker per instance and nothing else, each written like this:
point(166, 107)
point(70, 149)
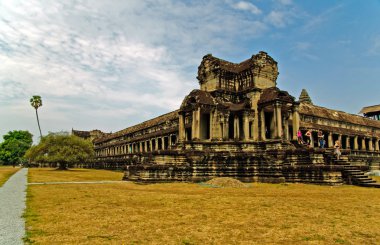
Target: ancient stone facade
point(240, 124)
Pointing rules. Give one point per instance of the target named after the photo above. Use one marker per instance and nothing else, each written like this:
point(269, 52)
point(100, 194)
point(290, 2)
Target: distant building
point(240, 124)
point(372, 112)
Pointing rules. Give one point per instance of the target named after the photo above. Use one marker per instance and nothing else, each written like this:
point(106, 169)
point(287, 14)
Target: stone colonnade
point(165, 142)
point(247, 125)
point(353, 142)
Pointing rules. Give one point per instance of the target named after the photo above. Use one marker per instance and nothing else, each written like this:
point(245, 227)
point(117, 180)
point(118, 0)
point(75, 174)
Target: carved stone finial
point(304, 97)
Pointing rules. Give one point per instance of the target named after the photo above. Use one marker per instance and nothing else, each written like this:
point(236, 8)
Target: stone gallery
point(240, 124)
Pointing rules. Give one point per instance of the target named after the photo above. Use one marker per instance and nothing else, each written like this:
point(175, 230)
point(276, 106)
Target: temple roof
point(273, 94)
point(312, 110)
point(147, 124)
point(370, 109)
point(198, 97)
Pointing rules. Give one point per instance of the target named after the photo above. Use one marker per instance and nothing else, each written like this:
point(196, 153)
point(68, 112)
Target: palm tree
point(36, 102)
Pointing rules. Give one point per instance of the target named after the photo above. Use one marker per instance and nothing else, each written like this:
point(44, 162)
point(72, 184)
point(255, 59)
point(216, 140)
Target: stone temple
point(240, 124)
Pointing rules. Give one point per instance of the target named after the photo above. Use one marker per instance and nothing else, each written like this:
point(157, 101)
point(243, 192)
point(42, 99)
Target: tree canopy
point(14, 146)
point(61, 149)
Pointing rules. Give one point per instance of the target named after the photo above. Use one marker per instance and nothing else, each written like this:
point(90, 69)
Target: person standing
point(337, 149)
point(308, 137)
point(321, 139)
point(299, 137)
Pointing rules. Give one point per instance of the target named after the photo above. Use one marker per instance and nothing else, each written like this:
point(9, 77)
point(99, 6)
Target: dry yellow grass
point(6, 172)
point(180, 213)
point(73, 174)
point(377, 178)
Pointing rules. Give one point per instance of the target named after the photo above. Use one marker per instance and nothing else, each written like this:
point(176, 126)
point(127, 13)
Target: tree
point(61, 149)
point(14, 146)
point(36, 102)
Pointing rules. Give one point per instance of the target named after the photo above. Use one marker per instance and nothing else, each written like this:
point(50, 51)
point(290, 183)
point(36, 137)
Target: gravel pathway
point(12, 205)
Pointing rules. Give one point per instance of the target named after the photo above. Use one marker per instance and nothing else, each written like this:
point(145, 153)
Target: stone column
point(212, 128)
point(356, 145)
point(330, 140)
point(156, 139)
point(376, 144)
point(181, 127)
point(370, 144)
point(363, 145)
point(226, 127)
point(348, 142)
point(196, 124)
point(236, 127)
point(151, 145)
point(296, 121)
point(286, 129)
point(255, 126)
point(170, 141)
point(262, 121)
point(246, 126)
point(277, 115)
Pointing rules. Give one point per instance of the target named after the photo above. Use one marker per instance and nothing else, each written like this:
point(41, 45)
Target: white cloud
point(247, 6)
point(277, 18)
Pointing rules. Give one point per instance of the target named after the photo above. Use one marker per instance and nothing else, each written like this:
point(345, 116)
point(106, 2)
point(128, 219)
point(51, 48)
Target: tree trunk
point(38, 121)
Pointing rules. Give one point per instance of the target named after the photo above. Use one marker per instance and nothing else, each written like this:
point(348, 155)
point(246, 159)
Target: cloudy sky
point(111, 64)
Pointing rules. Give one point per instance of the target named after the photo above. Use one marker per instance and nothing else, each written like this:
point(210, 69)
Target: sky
point(110, 64)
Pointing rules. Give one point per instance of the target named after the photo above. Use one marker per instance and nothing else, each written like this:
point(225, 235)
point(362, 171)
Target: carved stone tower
point(260, 71)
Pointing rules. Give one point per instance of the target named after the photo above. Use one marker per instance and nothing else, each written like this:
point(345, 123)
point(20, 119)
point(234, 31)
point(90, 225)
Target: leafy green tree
point(36, 102)
point(62, 149)
point(14, 146)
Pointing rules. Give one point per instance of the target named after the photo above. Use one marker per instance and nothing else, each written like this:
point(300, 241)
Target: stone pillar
point(196, 124)
point(286, 129)
point(348, 142)
point(296, 121)
point(246, 126)
point(363, 145)
point(181, 127)
point(262, 121)
point(226, 127)
point(170, 141)
point(211, 126)
point(370, 144)
point(277, 115)
point(376, 144)
point(141, 146)
point(151, 145)
point(330, 140)
point(156, 139)
point(236, 127)
point(255, 126)
point(356, 145)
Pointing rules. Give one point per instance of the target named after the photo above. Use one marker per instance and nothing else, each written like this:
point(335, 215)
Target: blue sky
point(111, 64)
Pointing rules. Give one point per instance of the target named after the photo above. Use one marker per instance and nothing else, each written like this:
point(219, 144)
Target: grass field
point(180, 213)
point(74, 174)
point(6, 172)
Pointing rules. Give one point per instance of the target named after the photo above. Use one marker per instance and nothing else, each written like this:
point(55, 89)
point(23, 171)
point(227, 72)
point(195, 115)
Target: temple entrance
point(269, 125)
point(231, 126)
point(205, 126)
point(166, 143)
point(188, 133)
